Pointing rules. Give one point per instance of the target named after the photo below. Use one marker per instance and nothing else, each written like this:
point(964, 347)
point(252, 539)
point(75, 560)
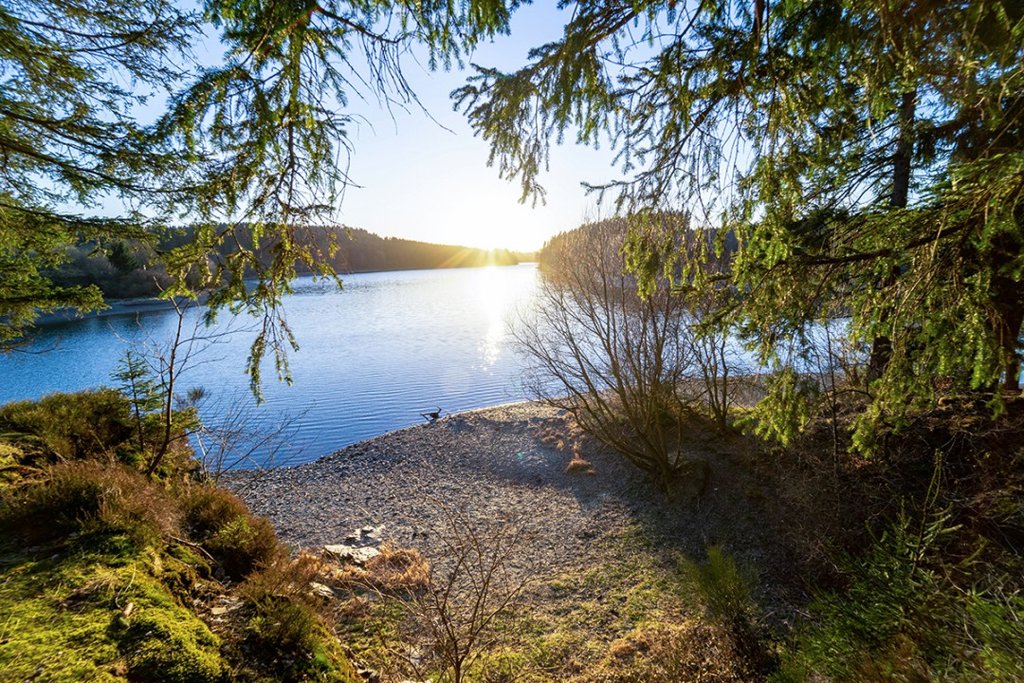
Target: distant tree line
point(129, 268)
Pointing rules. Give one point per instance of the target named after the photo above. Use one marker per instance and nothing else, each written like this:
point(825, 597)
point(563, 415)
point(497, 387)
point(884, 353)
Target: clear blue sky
point(423, 182)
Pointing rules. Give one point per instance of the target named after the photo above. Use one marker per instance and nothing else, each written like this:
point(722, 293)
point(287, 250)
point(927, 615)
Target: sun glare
point(496, 296)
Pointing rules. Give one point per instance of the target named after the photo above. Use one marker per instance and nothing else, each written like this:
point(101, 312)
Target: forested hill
point(125, 268)
point(563, 242)
point(361, 251)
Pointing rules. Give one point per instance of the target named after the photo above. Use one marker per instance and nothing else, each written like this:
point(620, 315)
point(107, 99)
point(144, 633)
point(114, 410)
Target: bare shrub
point(453, 619)
point(240, 439)
point(620, 362)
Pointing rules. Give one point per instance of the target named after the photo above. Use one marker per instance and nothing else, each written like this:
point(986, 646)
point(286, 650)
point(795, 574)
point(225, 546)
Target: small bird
point(432, 416)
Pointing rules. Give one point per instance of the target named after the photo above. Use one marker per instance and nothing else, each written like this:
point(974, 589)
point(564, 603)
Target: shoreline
point(134, 305)
point(503, 465)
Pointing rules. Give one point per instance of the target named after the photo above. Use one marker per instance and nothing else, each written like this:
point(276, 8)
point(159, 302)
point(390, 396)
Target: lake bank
point(510, 464)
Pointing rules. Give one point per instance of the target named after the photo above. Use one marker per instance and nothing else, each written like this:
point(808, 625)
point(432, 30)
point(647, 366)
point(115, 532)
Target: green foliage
point(287, 627)
point(69, 135)
point(251, 146)
point(143, 392)
point(786, 408)
point(724, 587)
point(239, 541)
point(108, 590)
point(865, 157)
point(905, 615)
point(243, 545)
point(726, 590)
point(122, 258)
point(208, 509)
point(86, 425)
point(99, 424)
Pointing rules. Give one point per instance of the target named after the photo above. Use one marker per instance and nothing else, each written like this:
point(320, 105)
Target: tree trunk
point(902, 161)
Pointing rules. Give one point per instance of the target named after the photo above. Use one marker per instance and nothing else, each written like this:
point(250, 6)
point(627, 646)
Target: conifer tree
point(242, 136)
point(864, 154)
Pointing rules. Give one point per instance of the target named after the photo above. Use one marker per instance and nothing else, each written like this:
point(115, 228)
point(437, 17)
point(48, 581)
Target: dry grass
point(567, 436)
point(393, 571)
point(89, 497)
point(669, 653)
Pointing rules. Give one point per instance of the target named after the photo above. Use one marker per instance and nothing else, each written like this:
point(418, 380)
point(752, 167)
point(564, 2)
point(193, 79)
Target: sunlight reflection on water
point(372, 357)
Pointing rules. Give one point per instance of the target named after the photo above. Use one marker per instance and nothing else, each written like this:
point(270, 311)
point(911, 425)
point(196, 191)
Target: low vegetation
point(110, 574)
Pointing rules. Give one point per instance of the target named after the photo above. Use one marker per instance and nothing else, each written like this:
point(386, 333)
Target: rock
point(369, 675)
point(355, 554)
point(320, 590)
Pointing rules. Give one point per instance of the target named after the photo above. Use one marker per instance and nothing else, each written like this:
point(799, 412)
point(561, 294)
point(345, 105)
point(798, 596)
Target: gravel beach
point(500, 465)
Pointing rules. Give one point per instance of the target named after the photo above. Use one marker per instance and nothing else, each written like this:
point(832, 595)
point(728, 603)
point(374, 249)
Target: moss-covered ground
point(103, 610)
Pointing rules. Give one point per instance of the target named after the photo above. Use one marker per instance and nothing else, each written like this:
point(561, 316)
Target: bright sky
point(420, 181)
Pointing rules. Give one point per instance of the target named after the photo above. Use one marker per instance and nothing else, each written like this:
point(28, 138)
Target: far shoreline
point(136, 305)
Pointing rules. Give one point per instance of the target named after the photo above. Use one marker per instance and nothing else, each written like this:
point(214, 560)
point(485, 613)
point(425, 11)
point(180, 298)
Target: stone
point(320, 590)
point(357, 555)
point(369, 675)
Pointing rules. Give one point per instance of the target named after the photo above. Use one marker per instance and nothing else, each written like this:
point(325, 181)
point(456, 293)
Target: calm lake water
point(372, 357)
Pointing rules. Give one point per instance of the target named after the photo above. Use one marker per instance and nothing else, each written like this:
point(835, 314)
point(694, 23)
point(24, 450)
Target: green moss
point(98, 612)
point(160, 645)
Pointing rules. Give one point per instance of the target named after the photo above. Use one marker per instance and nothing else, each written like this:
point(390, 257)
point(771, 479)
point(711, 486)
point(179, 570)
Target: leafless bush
point(715, 359)
point(238, 439)
point(623, 364)
point(151, 374)
point(454, 619)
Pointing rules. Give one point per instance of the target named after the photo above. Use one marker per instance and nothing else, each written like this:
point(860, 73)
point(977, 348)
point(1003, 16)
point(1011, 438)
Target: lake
point(372, 357)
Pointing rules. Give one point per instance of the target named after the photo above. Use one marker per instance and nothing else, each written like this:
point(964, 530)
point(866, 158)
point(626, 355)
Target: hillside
point(128, 268)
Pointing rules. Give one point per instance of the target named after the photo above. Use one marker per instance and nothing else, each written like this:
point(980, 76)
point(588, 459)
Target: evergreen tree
point(256, 138)
point(865, 155)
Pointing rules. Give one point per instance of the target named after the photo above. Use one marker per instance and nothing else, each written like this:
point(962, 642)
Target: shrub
point(84, 425)
point(205, 510)
point(903, 617)
point(615, 358)
point(89, 497)
point(726, 589)
point(94, 425)
point(239, 541)
point(243, 545)
point(287, 626)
